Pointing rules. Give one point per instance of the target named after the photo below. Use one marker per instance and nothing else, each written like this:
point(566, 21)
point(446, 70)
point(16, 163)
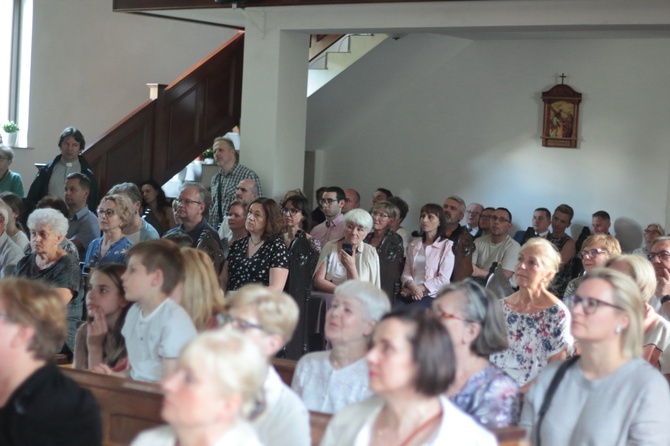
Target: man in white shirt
point(498, 247)
point(472, 213)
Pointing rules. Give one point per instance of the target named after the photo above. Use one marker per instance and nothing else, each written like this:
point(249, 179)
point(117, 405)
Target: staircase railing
point(163, 135)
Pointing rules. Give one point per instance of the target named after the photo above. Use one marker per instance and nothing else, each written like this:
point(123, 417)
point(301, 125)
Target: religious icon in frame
point(561, 116)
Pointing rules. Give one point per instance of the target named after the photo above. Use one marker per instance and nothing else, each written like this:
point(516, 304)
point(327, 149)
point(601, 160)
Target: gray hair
point(130, 190)
point(233, 361)
point(359, 217)
point(664, 238)
point(7, 151)
point(374, 301)
point(480, 306)
point(460, 201)
point(50, 218)
point(549, 255)
point(202, 192)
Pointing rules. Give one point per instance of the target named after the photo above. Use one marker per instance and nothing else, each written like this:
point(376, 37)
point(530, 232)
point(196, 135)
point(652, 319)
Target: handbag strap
point(549, 395)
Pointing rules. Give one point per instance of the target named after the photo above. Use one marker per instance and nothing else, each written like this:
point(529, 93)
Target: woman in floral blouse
point(477, 328)
point(537, 321)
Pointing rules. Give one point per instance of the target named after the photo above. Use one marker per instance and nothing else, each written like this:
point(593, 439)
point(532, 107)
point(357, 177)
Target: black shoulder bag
point(553, 385)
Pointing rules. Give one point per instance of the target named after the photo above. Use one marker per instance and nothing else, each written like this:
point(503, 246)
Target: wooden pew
point(127, 407)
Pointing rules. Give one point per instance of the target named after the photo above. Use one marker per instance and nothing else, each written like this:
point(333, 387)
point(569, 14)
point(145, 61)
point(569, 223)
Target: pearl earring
point(618, 329)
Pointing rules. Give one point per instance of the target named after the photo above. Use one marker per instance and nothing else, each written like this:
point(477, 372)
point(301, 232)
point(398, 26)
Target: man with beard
point(454, 210)
point(498, 247)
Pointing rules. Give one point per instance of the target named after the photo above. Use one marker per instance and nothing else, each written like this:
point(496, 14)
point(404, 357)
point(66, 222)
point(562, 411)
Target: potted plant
point(10, 128)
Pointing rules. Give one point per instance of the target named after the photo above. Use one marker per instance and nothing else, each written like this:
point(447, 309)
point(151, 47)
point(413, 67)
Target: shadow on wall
point(629, 233)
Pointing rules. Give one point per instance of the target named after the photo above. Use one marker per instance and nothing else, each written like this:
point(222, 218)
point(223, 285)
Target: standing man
point(332, 202)
point(246, 192)
point(496, 247)
point(83, 225)
point(472, 213)
point(137, 229)
point(50, 179)
point(352, 200)
point(190, 207)
point(225, 182)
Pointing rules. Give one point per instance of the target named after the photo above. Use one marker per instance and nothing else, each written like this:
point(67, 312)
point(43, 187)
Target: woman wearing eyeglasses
point(608, 395)
point(295, 213)
point(262, 256)
point(653, 231)
point(114, 212)
point(383, 215)
point(475, 322)
point(596, 251)
point(537, 321)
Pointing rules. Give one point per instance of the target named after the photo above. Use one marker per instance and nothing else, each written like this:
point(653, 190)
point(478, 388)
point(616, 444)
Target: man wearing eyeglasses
point(496, 247)
point(332, 202)
point(190, 207)
point(659, 255)
point(472, 213)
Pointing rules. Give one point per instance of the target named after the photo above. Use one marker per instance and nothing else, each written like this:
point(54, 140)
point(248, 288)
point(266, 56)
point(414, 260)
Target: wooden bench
point(129, 407)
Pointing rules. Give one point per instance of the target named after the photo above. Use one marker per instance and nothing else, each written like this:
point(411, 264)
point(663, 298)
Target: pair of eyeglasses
point(472, 212)
point(106, 212)
point(446, 315)
point(186, 202)
point(589, 304)
point(500, 219)
point(379, 214)
point(646, 231)
point(328, 200)
point(292, 211)
point(592, 253)
point(662, 255)
point(239, 324)
point(485, 217)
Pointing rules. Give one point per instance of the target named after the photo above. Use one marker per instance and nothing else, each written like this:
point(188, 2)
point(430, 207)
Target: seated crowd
point(568, 339)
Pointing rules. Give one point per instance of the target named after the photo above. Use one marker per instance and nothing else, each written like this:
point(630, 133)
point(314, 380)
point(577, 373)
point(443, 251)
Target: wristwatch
point(665, 299)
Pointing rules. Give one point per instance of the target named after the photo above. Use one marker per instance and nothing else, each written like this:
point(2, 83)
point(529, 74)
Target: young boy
point(156, 328)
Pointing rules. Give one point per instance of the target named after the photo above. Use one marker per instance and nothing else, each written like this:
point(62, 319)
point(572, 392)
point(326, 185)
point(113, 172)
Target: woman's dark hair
point(53, 202)
point(432, 350)
point(481, 306)
point(16, 203)
point(161, 199)
point(114, 271)
point(435, 209)
point(274, 224)
point(300, 203)
point(76, 134)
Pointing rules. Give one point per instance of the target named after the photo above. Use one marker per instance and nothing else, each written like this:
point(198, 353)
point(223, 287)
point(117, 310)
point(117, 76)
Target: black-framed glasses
point(328, 200)
point(186, 202)
point(589, 304)
point(239, 324)
point(292, 211)
point(107, 212)
point(662, 255)
point(500, 219)
point(591, 252)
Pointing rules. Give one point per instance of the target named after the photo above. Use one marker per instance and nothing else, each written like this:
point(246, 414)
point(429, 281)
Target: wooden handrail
point(163, 135)
point(318, 43)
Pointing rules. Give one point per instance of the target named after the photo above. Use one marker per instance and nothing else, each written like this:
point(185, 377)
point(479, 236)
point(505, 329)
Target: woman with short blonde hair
point(114, 213)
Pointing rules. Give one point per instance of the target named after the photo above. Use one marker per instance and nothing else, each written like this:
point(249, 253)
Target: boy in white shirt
point(156, 328)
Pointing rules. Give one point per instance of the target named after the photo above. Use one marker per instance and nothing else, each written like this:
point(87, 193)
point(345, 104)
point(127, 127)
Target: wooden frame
point(561, 117)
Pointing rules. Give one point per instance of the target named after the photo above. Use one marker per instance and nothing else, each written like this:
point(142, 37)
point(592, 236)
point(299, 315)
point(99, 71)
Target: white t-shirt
point(160, 335)
point(325, 389)
point(505, 252)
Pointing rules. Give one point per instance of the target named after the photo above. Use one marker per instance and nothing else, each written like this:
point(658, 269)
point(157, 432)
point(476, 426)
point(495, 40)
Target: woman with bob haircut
point(474, 319)
point(430, 259)
point(383, 215)
point(261, 257)
point(199, 294)
point(295, 211)
point(329, 380)
point(336, 265)
point(656, 329)
point(114, 212)
point(269, 317)
point(651, 233)
point(212, 394)
point(411, 364)
point(596, 251)
point(537, 321)
point(38, 404)
point(608, 395)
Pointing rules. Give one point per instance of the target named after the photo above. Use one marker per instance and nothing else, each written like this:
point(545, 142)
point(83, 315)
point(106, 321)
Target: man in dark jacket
point(50, 179)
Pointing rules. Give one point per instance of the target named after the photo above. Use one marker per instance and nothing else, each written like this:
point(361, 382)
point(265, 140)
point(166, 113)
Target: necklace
point(255, 243)
point(419, 429)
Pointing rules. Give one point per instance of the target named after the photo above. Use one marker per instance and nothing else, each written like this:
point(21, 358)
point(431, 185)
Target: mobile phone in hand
point(348, 248)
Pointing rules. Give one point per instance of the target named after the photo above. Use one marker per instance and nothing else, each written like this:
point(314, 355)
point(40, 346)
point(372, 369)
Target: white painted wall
point(429, 116)
point(90, 67)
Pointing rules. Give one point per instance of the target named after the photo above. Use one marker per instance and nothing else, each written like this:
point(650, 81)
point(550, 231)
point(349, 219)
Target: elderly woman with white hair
point(211, 394)
point(608, 395)
point(656, 329)
point(348, 258)
point(537, 322)
point(329, 380)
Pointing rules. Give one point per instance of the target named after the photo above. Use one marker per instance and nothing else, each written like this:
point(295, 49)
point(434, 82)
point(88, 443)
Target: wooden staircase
point(164, 134)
